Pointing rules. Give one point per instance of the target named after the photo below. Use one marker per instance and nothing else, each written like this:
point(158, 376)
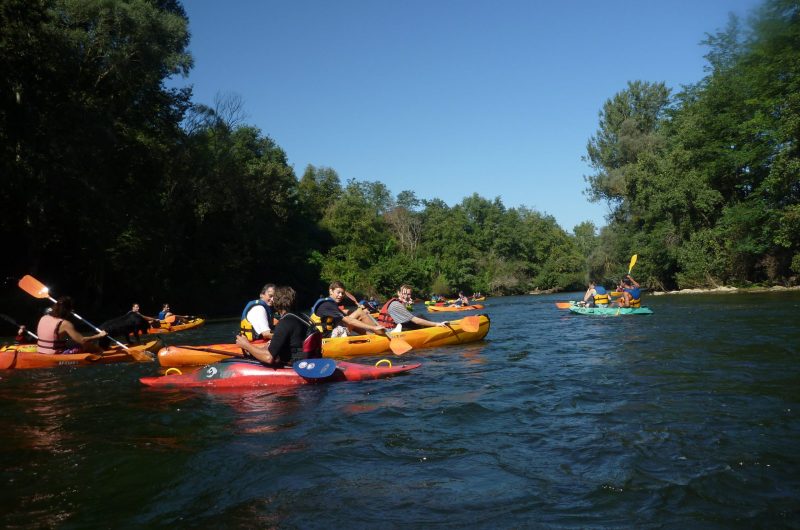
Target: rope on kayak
point(170, 371)
point(387, 361)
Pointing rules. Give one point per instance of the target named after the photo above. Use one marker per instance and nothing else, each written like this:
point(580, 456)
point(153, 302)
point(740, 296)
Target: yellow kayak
point(356, 345)
point(166, 327)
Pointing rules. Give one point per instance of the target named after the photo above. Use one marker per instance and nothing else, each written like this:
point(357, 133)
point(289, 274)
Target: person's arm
point(261, 325)
point(68, 328)
point(634, 282)
point(260, 352)
point(422, 322)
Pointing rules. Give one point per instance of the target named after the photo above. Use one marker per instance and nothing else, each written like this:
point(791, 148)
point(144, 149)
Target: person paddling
point(631, 293)
point(54, 330)
point(332, 322)
point(394, 313)
point(286, 345)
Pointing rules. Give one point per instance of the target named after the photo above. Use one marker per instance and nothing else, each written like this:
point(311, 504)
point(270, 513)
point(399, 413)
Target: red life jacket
point(384, 319)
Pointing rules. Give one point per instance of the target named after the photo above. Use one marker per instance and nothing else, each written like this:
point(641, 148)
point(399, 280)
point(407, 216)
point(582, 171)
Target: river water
point(688, 417)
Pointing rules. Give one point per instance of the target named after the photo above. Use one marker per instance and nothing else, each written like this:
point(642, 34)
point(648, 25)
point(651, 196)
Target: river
point(688, 417)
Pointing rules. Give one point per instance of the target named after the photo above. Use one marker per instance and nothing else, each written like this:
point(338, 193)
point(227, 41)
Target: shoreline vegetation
point(701, 181)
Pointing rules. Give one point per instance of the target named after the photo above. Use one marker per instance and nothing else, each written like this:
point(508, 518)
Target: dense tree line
point(705, 183)
point(117, 188)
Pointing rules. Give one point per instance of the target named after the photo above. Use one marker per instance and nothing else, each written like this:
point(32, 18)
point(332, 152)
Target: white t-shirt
point(258, 318)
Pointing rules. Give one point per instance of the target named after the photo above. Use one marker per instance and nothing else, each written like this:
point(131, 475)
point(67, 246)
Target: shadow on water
point(685, 417)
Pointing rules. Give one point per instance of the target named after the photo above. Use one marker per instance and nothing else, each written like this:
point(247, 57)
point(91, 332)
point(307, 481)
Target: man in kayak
point(461, 301)
point(596, 295)
point(631, 294)
point(394, 313)
point(54, 330)
point(332, 322)
point(257, 317)
point(291, 340)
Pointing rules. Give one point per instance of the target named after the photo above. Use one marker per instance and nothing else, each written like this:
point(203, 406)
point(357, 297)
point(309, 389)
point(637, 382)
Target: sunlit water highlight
point(686, 417)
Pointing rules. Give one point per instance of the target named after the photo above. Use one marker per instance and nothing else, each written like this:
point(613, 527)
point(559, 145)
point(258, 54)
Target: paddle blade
point(315, 368)
point(34, 287)
point(399, 346)
point(170, 319)
point(633, 262)
point(563, 305)
point(471, 324)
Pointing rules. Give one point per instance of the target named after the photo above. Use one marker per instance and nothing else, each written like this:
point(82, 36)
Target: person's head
point(336, 291)
point(63, 307)
point(404, 292)
point(267, 293)
point(165, 307)
point(626, 282)
point(592, 284)
point(284, 299)
point(135, 308)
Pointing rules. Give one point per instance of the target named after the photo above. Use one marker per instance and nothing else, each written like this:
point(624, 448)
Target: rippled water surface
point(686, 417)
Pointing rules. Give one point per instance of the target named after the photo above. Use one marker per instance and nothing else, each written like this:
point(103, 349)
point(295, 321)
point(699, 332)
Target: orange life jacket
point(384, 318)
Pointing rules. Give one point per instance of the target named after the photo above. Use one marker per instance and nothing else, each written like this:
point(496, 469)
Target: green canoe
point(611, 311)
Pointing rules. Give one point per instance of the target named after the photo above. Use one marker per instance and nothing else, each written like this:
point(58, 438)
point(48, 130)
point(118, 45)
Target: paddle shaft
point(212, 350)
point(15, 323)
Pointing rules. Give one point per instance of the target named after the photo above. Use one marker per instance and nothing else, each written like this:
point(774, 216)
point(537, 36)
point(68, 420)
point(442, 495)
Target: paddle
point(396, 344)
point(471, 324)
point(14, 323)
point(37, 289)
point(630, 268)
point(315, 368)
point(212, 350)
point(170, 319)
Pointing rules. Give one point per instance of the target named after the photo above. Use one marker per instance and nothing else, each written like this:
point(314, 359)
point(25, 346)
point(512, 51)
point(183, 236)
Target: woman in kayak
point(394, 312)
point(54, 329)
point(289, 336)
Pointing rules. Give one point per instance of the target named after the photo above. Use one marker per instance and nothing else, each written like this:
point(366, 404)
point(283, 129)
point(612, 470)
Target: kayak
point(611, 311)
point(247, 373)
point(24, 356)
point(479, 299)
point(353, 346)
point(166, 327)
point(438, 309)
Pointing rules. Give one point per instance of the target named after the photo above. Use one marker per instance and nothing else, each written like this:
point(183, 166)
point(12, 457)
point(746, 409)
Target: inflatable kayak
point(166, 327)
point(611, 311)
point(438, 309)
point(25, 356)
point(356, 345)
point(247, 373)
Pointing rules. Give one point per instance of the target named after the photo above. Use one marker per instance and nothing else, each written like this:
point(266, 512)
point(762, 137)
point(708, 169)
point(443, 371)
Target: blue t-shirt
point(635, 292)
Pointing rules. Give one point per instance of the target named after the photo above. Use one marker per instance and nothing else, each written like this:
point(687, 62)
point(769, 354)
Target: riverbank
point(733, 290)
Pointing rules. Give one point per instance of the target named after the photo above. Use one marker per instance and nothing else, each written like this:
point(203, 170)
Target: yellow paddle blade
point(633, 262)
point(34, 287)
point(170, 319)
point(471, 324)
point(399, 346)
point(563, 305)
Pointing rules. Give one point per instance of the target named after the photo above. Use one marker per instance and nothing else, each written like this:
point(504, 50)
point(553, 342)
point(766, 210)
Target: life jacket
point(312, 344)
point(324, 324)
point(246, 327)
point(634, 302)
point(600, 295)
point(384, 318)
point(48, 331)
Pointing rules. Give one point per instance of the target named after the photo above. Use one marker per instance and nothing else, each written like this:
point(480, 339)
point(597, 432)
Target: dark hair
point(336, 285)
point(63, 307)
point(266, 287)
point(284, 298)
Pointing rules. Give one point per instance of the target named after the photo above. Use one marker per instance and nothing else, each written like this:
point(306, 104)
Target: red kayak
point(246, 373)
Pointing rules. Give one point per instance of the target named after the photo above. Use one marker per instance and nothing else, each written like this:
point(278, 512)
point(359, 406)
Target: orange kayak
point(439, 309)
point(166, 327)
point(24, 356)
point(354, 346)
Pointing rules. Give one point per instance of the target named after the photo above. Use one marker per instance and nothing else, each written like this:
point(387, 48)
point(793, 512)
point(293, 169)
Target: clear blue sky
point(444, 97)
